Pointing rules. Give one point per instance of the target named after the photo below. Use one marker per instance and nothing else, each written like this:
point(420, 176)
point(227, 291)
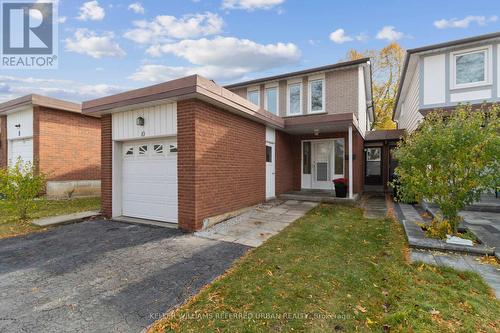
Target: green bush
point(21, 185)
point(451, 159)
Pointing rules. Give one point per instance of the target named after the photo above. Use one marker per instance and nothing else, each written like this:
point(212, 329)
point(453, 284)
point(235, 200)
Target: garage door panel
point(22, 148)
point(149, 181)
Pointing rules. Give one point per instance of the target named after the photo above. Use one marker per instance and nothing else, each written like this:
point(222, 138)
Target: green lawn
point(334, 270)
point(11, 226)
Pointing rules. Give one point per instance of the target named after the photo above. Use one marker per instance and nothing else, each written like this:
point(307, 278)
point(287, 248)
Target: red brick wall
point(67, 145)
point(284, 162)
point(3, 141)
point(358, 167)
point(107, 166)
point(227, 153)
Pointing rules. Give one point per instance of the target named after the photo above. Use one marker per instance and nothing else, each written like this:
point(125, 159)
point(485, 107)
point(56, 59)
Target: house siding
point(341, 91)
point(410, 115)
point(221, 169)
point(67, 145)
point(3, 141)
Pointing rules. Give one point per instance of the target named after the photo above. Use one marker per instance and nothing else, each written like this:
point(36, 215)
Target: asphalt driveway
point(102, 276)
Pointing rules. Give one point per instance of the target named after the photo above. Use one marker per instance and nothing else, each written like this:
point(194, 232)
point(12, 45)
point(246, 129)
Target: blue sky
point(107, 46)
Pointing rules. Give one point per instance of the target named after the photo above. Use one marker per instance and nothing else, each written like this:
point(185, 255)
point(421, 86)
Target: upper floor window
point(253, 96)
point(294, 103)
point(271, 99)
point(316, 95)
point(470, 68)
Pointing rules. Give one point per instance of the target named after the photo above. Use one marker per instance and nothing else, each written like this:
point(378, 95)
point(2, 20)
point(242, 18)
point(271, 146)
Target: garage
point(21, 148)
point(149, 179)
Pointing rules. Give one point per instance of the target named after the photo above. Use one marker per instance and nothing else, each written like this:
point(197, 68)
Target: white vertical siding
point(410, 115)
point(361, 101)
point(434, 79)
point(159, 120)
point(23, 118)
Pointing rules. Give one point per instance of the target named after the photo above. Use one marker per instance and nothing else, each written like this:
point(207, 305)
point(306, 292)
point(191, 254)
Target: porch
point(318, 196)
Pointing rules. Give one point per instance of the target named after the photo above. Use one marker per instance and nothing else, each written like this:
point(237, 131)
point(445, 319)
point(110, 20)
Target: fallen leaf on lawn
point(360, 308)
point(269, 273)
point(434, 312)
point(348, 295)
point(370, 322)
point(385, 292)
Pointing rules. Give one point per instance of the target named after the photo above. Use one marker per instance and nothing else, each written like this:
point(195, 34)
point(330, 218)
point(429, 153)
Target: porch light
point(139, 121)
point(316, 132)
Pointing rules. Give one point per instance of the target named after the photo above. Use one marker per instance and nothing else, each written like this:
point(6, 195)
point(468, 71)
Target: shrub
point(451, 159)
point(21, 185)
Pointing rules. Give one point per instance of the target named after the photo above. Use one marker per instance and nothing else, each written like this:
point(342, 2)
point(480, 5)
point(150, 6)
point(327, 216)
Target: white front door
point(270, 171)
point(322, 165)
point(149, 179)
point(21, 148)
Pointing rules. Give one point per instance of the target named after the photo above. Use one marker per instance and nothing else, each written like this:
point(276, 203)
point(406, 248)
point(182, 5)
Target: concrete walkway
point(490, 273)
point(61, 219)
point(256, 225)
point(374, 205)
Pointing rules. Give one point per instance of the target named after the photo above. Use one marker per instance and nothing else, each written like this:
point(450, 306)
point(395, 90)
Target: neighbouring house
point(57, 138)
point(188, 150)
point(441, 76)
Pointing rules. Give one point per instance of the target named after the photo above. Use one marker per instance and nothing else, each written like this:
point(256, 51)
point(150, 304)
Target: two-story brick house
point(187, 150)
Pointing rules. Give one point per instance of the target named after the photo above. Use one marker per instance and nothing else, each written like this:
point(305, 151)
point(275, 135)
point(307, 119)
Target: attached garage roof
point(34, 99)
point(193, 86)
point(385, 135)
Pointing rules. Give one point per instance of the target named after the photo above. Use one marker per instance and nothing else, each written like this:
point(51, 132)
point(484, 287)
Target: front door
point(373, 166)
point(322, 164)
point(270, 172)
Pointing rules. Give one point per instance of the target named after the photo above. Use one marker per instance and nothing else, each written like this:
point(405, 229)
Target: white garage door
point(149, 180)
point(22, 148)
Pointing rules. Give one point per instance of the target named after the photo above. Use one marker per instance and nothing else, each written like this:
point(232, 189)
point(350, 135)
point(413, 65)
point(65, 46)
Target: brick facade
point(66, 145)
point(106, 166)
point(221, 162)
point(3, 141)
point(285, 152)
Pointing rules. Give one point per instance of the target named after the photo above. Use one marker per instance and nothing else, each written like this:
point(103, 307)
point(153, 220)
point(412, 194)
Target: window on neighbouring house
point(316, 96)
point(294, 99)
point(271, 99)
point(269, 154)
point(470, 68)
point(306, 158)
point(253, 96)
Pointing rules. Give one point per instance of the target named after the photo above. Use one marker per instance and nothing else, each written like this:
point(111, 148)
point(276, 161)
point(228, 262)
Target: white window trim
point(309, 97)
point(290, 83)
point(270, 86)
point(487, 50)
point(251, 90)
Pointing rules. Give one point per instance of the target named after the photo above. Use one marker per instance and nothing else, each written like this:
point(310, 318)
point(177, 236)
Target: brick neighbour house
point(216, 152)
point(60, 141)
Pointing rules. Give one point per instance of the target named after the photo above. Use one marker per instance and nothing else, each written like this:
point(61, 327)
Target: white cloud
point(230, 52)
point(161, 73)
point(164, 27)
point(12, 87)
point(220, 58)
point(389, 33)
point(136, 7)
point(91, 11)
point(465, 22)
point(62, 19)
point(97, 46)
point(339, 36)
point(250, 4)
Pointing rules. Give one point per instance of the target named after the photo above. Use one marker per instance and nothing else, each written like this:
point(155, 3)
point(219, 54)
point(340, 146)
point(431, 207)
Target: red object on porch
point(340, 181)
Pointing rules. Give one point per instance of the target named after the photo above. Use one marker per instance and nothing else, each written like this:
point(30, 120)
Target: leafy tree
point(451, 159)
point(21, 184)
point(387, 65)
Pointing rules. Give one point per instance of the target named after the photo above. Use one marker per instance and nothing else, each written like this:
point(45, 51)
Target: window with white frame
point(271, 99)
point(471, 68)
point(294, 100)
point(253, 96)
point(316, 95)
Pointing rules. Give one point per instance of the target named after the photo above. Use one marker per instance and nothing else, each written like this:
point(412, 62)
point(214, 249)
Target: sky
point(108, 46)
